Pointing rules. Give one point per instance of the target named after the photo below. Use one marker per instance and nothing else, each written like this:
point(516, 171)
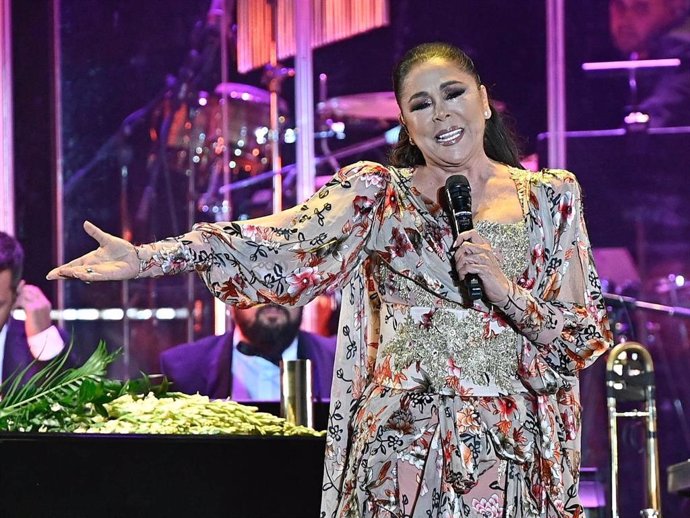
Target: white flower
point(490, 508)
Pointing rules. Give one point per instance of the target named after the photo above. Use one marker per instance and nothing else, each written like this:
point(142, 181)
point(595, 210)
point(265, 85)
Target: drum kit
point(196, 139)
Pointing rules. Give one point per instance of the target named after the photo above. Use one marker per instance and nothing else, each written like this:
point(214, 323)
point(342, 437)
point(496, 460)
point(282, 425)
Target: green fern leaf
point(50, 386)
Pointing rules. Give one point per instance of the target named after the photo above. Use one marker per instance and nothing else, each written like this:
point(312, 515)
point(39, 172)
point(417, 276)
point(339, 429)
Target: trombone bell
point(630, 378)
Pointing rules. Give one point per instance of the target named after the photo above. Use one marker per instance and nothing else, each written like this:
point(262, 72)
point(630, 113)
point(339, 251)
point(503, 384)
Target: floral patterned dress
point(437, 409)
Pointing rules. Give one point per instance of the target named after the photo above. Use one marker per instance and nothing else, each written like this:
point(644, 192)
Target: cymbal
point(244, 92)
point(372, 106)
point(250, 94)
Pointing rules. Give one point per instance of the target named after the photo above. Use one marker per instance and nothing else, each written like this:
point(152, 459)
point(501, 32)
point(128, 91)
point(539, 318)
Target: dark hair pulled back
point(499, 143)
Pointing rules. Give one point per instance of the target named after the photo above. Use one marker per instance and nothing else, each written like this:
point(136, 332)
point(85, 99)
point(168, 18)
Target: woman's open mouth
point(450, 136)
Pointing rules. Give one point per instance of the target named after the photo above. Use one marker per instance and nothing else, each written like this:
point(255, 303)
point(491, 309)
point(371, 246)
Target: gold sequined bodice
point(444, 343)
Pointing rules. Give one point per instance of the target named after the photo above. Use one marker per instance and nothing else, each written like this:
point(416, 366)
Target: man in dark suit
point(244, 363)
point(35, 339)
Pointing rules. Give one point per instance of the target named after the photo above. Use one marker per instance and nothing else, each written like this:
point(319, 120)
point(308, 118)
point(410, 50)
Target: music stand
point(635, 119)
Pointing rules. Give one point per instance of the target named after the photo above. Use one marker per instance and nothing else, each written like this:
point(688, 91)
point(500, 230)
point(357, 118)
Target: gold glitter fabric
point(446, 346)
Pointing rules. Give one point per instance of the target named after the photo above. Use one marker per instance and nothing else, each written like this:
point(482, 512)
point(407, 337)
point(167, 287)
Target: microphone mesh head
point(458, 194)
point(457, 181)
point(458, 185)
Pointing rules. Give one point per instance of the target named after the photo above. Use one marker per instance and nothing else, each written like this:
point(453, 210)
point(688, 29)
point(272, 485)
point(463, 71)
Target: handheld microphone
point(459, 198)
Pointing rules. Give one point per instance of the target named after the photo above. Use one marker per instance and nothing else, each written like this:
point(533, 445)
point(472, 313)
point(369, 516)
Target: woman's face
point(444, 111)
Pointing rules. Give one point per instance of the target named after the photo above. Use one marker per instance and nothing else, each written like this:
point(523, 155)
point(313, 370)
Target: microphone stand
point(183, 89)
point(631, 303)
point(323, 123)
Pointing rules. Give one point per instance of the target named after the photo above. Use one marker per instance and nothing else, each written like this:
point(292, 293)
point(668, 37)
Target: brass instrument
point(630, 378)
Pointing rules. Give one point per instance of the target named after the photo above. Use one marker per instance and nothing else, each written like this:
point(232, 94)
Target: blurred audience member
point(656, 29)
point(244, 363)
point(34, 340)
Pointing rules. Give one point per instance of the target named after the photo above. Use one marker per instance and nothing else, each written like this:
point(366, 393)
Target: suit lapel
point(220, 378)
point(305, 351)
point(17, 354)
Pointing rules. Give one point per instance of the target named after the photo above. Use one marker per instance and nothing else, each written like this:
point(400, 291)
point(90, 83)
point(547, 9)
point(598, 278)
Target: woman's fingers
point(473, 248)
point(79, 272)
point(64, 272)
point(53, 274)
point(88, 265)
point(92, 272)
point(474, 255)
point(470, 236)
point(96, 233)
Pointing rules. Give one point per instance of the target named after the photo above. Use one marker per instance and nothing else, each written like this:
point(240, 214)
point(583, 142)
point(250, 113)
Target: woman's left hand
point(474, 254)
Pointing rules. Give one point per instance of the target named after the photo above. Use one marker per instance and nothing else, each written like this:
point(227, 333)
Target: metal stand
point(635, 120)
point(221, 9)
point(273, 78)
point(6, 133)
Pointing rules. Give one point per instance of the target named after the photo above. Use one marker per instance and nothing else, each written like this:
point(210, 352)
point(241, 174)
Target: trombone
point(630, 378)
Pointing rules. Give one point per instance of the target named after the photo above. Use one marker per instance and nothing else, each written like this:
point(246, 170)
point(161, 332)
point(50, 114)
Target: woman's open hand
point(114, 259)
point(474, 254)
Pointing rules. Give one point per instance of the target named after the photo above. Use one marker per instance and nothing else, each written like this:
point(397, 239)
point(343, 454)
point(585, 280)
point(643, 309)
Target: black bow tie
point(249, 350)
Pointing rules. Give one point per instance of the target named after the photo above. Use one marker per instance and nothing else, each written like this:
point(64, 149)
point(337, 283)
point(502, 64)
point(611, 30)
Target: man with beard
point(244, 363)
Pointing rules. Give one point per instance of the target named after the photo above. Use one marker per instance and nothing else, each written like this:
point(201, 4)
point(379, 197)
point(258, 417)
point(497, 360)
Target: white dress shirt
point(255, 378)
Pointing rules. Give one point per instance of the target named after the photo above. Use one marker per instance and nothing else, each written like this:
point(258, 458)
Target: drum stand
point(273, 77)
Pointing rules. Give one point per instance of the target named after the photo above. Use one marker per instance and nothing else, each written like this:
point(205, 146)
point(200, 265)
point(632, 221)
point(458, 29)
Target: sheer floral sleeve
point(288, 258)
point(557, 305)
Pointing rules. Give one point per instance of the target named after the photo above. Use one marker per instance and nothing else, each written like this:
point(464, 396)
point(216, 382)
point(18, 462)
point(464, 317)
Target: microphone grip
point(473, 283)
point(462, 222)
